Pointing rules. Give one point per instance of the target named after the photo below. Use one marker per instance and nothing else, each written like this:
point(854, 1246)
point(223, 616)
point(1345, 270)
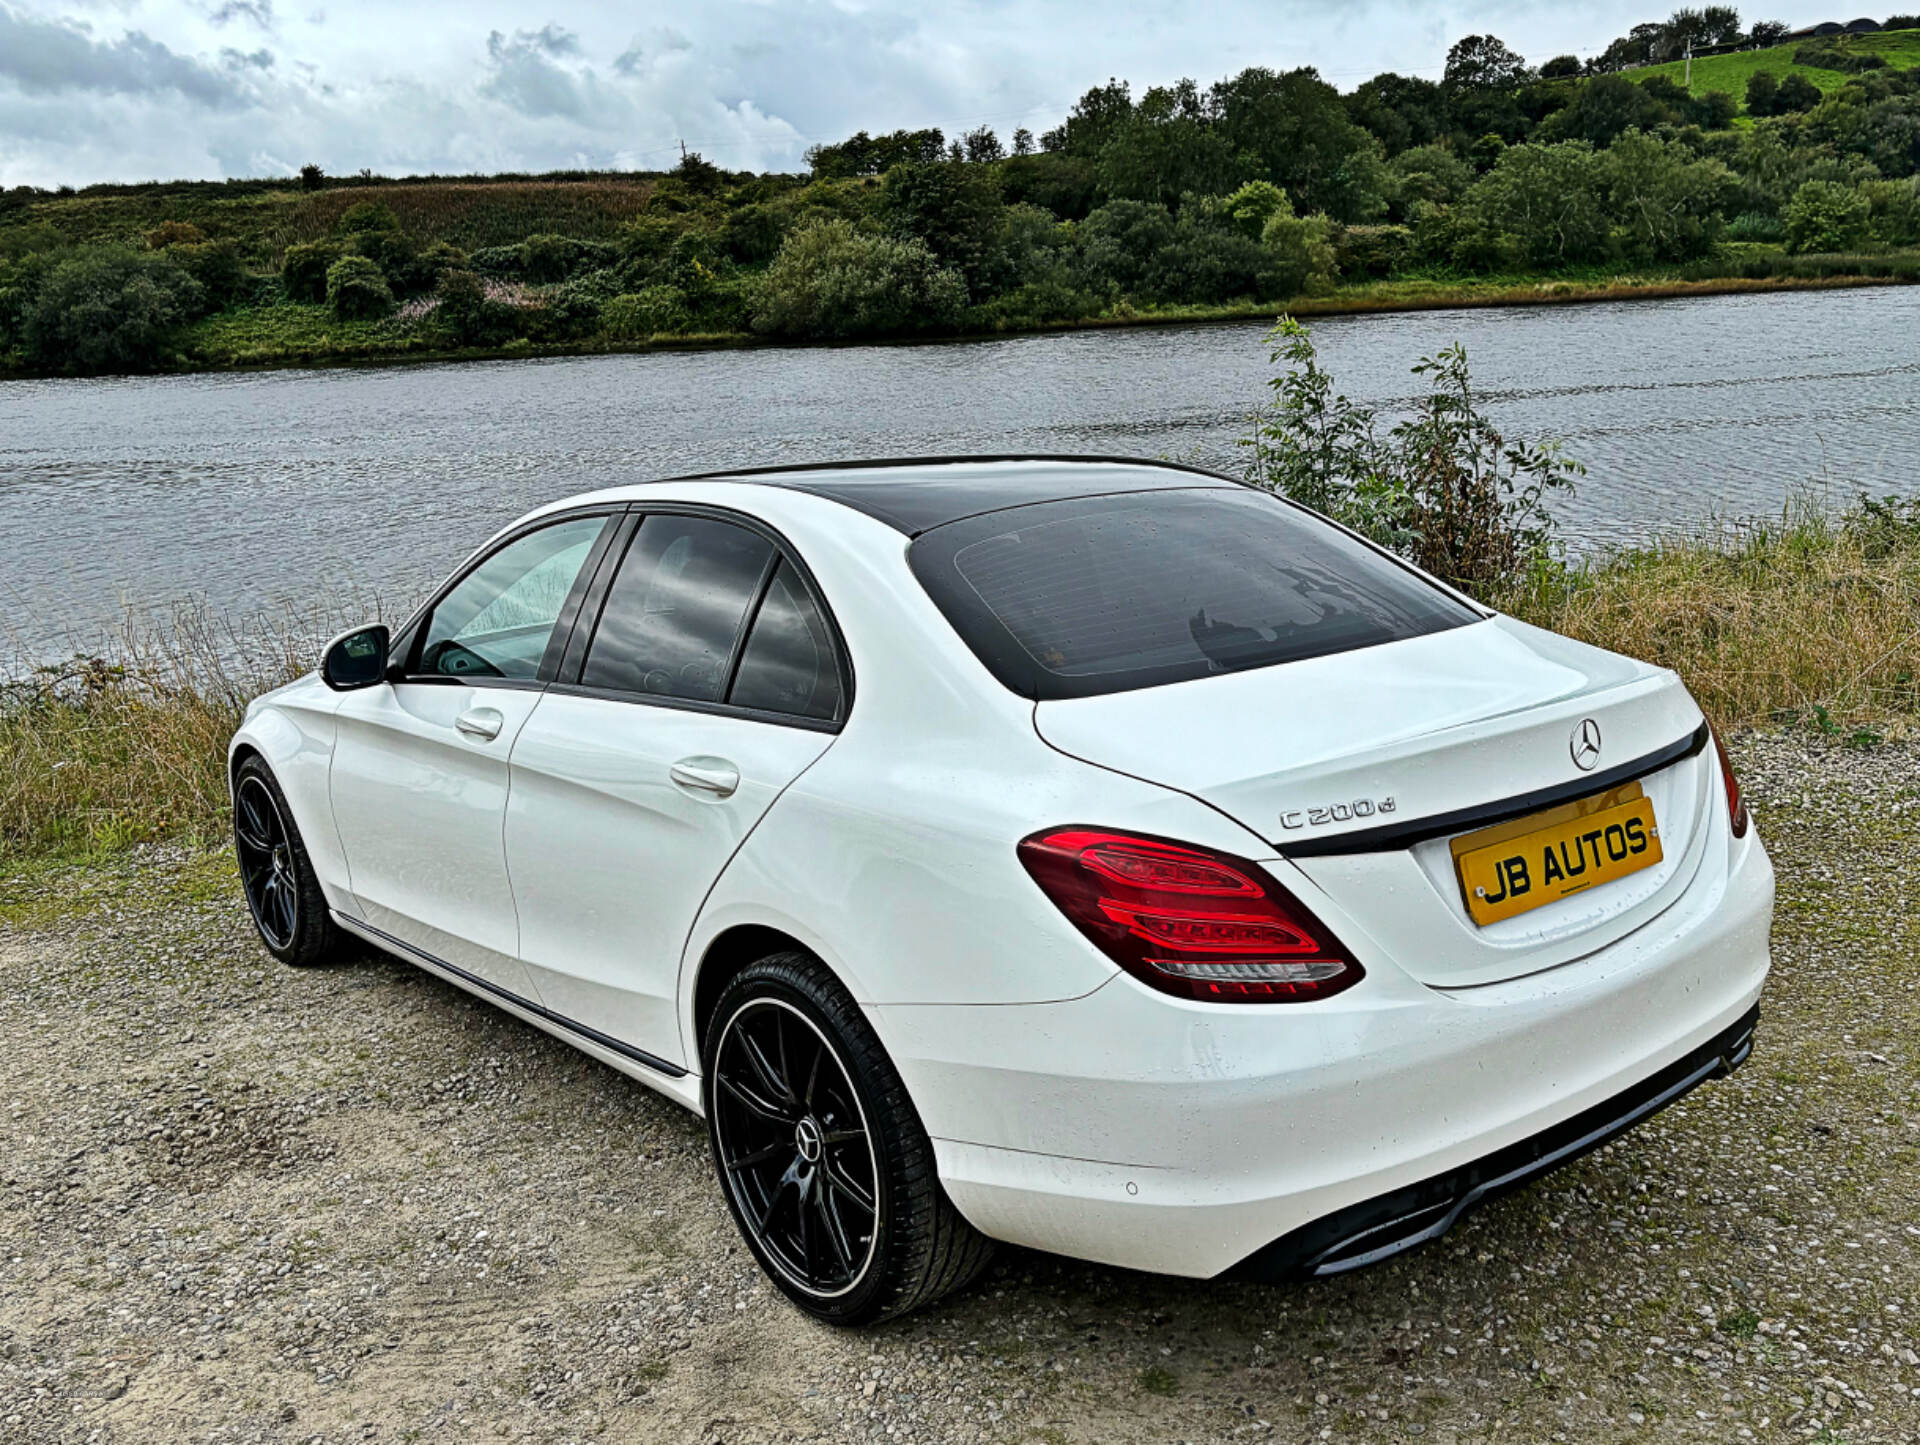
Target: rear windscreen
point(1102, 594)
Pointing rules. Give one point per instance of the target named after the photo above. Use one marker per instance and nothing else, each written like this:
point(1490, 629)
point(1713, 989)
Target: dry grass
point(473, 214)
point(108, 750)
point(1812, 619)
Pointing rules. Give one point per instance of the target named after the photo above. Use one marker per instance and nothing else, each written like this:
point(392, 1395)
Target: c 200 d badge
point(1336, 813)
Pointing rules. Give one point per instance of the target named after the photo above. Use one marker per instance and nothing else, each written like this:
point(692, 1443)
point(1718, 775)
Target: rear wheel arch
point(734, 949)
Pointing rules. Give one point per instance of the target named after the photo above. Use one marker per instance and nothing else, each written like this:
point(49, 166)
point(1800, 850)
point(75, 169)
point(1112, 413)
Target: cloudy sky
point(94, 90)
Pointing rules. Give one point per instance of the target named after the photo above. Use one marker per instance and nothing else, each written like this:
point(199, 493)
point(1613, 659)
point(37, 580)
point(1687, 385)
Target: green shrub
point(303, 269)
point(752, 233)
point(1666, 202)
point(566, 313)
point(1430, 173)
point(1211, 260)
point(1755, 226)
point(364, 218)
point(1254, 204)
point(1541, 204)
point(216, 266)
point(547, 259)
point(468, 316)
point(831, 280)
point(107, 309)
point(1826, 216)
point(1796, 93)
point(356, 291)
point(406, 267)
point(504, 262)
point(640, 314)
point(1893, 211)
point(1445, 488)
point(1845, 59)
point(1121, 244)
point(1373, 251)
point(1302, 252)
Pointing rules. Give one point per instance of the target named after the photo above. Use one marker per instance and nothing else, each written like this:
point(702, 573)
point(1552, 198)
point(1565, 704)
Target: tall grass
point(475, 214)
point(1808, 618)
point(129, 744)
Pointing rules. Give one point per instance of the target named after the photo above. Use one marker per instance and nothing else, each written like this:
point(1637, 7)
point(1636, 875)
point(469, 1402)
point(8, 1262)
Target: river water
point(257, 491)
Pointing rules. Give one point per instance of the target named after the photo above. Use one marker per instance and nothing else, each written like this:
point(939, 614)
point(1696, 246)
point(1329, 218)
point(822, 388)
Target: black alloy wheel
point(266, 859)
point(794, 1146)
point(824, 1162)
point(288, 905)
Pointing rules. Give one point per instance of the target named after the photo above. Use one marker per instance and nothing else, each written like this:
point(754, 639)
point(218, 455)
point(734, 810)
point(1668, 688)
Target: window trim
point(412, 635)
point(568, 683)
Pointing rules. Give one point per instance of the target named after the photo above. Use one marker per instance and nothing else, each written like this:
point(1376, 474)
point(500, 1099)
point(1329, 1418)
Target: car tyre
point(283, 894)
point(823, 1160)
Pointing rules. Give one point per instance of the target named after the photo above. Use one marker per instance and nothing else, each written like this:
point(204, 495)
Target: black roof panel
point(917, 495)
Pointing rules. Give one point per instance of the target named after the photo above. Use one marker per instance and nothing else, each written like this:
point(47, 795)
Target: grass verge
point(1811, 620)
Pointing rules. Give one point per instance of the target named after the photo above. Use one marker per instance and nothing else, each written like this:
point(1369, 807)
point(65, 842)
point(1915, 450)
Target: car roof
point(915, 495)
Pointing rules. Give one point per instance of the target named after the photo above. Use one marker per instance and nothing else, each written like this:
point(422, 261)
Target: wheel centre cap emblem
point(808, 1140)
point(1585, 744)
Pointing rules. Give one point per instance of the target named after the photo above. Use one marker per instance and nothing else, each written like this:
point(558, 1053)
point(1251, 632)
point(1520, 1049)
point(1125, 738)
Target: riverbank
point(1810, 623)
point(288, 334)
point(244, 1202)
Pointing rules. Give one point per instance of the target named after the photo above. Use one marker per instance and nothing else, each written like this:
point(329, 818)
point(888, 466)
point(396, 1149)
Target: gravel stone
point(240, 1203)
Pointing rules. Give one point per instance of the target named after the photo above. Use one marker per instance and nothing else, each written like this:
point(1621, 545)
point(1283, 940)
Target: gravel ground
point(240, 1203)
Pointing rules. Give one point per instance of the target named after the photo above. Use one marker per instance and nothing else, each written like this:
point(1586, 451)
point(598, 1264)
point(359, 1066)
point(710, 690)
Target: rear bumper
point(1379, 1228)
point(1144, 1131)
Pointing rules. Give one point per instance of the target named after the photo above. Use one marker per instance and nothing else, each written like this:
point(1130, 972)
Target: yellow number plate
point(1513, 867)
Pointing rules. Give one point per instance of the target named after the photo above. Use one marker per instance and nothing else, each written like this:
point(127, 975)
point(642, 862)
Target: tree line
point(1262, 186)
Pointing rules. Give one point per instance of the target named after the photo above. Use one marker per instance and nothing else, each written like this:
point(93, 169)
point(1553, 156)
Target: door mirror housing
point(356, 659)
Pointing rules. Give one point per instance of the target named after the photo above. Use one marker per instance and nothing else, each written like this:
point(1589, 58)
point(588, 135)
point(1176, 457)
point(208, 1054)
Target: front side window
point(1103, 594)
point(676, 607)
point(498, 619)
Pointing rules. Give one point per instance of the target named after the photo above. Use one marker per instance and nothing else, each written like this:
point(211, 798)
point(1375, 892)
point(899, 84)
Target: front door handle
point(482, 724)
point(716, 777)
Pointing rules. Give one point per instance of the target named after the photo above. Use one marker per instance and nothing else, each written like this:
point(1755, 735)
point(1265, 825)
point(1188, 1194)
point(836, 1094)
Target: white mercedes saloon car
point(1098, 855)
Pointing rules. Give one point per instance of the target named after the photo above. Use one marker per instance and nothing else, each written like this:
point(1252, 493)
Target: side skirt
point(668, 1078)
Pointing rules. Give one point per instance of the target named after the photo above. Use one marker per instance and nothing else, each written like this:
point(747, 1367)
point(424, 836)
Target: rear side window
point(788, 665)
point(1102, 594)
point(676, 608)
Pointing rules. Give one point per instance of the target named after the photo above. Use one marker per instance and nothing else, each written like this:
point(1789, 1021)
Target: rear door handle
point(482, 724)
point(716, 777)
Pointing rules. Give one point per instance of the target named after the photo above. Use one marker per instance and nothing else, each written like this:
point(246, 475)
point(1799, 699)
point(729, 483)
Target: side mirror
point(355, 659)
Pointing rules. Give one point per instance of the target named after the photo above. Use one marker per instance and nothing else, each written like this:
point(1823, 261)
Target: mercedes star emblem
point(1585, 744)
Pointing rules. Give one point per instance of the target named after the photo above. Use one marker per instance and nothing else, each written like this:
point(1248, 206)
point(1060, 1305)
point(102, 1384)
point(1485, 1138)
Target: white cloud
point(131, 89)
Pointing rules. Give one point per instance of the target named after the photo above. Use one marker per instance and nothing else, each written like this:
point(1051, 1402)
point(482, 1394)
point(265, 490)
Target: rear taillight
point(1198, 924)
point(1736, 805)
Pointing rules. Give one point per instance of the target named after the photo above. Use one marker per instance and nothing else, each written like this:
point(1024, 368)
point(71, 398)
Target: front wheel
point(825, 1165)
point(283, 893)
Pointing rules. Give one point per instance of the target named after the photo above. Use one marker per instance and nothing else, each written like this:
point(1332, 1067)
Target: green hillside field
point(1731, 72)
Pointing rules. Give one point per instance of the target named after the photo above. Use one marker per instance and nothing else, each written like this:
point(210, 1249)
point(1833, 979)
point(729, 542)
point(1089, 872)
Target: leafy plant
point(356, 291)
point(108, 309)
point(303, 269)
point(1444, 488)
point(1826, 216)
point(832, 280)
